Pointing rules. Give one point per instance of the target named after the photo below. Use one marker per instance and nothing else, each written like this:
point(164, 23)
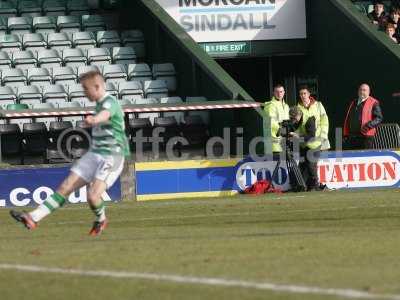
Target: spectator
point(307, 130)
point(276, 111)
point(363, 116)
point(391, 32)
point(311, 107)
point(378, 16)
point(394, 18)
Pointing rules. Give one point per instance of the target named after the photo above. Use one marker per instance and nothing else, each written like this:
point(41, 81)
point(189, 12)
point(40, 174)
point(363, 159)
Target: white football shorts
point(96, 166)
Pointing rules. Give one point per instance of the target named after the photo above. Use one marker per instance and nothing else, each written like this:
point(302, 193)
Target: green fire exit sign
point(226, 48)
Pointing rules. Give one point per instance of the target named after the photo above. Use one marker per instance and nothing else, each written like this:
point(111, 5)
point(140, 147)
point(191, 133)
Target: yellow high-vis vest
point(317, 110)
point(276, 112)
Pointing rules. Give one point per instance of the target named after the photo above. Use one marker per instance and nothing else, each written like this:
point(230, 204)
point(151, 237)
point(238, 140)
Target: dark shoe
point(98, 228)
point(24, 218)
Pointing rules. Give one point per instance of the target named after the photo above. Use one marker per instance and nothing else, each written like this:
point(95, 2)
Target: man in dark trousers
point(307, 132)
point(363, 116)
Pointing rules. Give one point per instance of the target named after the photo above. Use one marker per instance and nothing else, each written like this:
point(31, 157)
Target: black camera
point(286, 127)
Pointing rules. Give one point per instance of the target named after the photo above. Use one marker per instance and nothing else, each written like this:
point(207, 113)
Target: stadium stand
point(387, 19)
point(46, 45)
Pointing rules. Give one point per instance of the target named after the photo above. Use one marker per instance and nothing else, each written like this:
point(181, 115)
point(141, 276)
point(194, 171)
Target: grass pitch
point(329, 240)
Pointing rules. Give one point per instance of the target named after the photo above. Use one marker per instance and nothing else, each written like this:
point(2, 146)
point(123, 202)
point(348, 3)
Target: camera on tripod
point(295, 177)
point(287, 127)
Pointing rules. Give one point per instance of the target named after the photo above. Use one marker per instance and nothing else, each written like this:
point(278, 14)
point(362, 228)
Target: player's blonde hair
point(91, 75)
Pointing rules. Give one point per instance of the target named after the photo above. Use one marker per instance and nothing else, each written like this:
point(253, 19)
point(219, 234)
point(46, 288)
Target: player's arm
point(109, 109)
point(101, 117)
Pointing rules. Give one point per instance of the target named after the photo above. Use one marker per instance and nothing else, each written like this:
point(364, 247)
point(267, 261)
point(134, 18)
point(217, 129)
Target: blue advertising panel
point(31, 186)
point(187, 179)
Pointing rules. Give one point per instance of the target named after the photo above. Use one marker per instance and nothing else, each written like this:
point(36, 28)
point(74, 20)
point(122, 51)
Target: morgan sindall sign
point(239, 20)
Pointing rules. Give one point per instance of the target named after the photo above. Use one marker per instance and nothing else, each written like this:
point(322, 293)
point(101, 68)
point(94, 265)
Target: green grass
point(329, 240)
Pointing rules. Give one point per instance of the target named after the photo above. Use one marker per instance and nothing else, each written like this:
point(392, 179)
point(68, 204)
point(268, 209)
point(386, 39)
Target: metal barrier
point(387, 137)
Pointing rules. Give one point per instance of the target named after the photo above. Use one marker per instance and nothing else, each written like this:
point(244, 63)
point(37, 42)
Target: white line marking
point(291, 289)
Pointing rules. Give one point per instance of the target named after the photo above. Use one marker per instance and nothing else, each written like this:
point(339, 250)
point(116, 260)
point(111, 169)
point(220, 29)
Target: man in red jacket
point(363, 116)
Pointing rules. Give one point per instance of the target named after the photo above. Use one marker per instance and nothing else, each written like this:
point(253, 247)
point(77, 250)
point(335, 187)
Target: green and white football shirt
point(109, 138)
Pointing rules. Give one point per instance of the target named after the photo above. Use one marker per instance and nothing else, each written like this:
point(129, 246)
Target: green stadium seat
point(68, 24)
point(49, 58)
point(44, 25)
point(178, 115)
point(142, 125)
point(33, 41)
point(55, 94)
point(7, 92)
point(108, 39)
point(36, 141)
point(93, 23)
point(167, 73)
point(11, 141)
point(123, 55)
point(99, 56)
point(56, 129)
point(29, 95)
point(58, 41)
point(123, 102)
point(8, 9)
point(19, 122)
point(78, 7)
point(83, 40)
point(13, 78)
point(31, 8)
point(54, 7)
point(111, 89)
point(3, 25)
point(171, 130)
point(10, 43)
point(24, 59)
point(147, 101)
point(81, 146)
point(130, 90)
point(46, 120)
point(139, 72)
point(155, 89)
point(17, 106)
point(134, 39)
point(114, 74)
point(5, 60)
point(74, 57)
point(20, 25)
point(72, 104)
point(64, 75)
point(39, 77)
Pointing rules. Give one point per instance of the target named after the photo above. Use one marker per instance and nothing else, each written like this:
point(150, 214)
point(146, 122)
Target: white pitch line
point(290, 289)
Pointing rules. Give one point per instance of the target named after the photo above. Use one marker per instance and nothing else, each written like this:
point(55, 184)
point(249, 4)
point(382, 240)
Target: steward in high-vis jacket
point(313, 108)
point(363, 116)
point(276, 111)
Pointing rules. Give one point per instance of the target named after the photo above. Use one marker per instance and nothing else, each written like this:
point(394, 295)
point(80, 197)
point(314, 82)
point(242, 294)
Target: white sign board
point(239, 20)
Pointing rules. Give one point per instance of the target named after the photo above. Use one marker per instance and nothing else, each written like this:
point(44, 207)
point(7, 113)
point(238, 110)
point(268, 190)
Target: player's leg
point(70, 184)
point(81, 173)
point(107, 173)
point(53, 202)
point(96, 203)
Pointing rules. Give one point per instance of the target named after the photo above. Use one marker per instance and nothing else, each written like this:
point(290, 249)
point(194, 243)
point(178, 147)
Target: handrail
point(132, 108)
